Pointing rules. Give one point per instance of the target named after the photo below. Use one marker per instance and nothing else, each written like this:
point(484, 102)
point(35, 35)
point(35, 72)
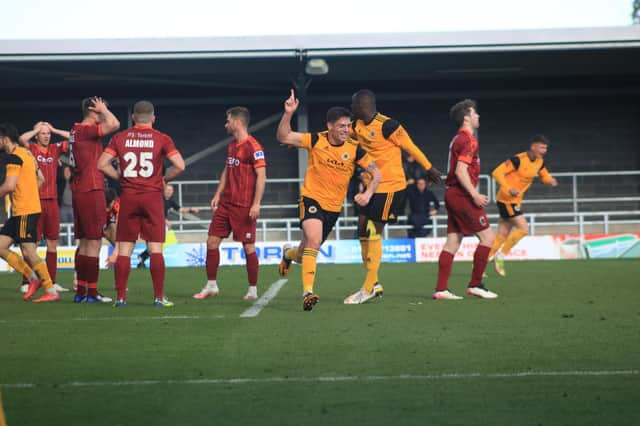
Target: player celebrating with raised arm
point(47, 155)
point(87, 186)
point(515, 176)
point(236, 203)
point(22, 183)
point(333, 156)
point(465, 205)
point(384, 139)
point(140, 151)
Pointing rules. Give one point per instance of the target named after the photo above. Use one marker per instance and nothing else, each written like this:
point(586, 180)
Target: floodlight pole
point(301, 83)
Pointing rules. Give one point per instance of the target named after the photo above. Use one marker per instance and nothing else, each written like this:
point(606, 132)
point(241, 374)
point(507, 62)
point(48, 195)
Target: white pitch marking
point(264, 300)
point(407, 377)
point(123, 318)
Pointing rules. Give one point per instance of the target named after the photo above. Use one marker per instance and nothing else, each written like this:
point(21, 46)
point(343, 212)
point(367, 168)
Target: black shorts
point(384, 206)
point(22, 229)
point(508, 211)
point(310, 209)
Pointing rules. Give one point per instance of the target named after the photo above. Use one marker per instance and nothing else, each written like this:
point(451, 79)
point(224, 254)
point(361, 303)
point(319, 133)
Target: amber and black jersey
point(518, 172)
point(330, 169)
point(384, 138)
point(25, 199)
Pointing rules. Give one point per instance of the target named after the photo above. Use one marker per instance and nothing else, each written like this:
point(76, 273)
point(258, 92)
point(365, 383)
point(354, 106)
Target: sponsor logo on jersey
point(232, 161)
point(42, 159)
point(258, 155)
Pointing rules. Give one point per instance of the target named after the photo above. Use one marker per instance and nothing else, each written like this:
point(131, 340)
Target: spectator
point(422, 204)
point(412, 170)
point(64, 194)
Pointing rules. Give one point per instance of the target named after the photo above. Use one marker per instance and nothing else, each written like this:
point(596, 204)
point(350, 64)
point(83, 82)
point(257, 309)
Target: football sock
point(122, 270)
point(513, 238)
point(25, 280)
point(213, 260)
point(92, 272)
point(374, 257)
point(18, 263)
point(52, 264)
point(496, 245)
point(445, 263)
point(364, 250)
point(81, 274)
point(157, 274)
point(309, 256)
point(252, 268)
point(40, 268)
point(480, 259)
point(292, 254)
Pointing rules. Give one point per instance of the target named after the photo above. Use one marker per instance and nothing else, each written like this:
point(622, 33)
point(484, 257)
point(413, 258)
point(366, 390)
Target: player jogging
point(515, 176)
point(21, 228)
point(465, 205)
point(333, 156)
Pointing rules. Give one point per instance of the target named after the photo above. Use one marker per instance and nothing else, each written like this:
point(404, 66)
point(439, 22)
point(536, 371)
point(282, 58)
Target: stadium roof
point(265, 65)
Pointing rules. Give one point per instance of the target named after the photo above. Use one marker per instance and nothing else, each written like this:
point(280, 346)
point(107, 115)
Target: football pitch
point(560, 346)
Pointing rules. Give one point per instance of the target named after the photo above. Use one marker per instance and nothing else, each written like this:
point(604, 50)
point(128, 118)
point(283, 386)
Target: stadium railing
point(285, 226)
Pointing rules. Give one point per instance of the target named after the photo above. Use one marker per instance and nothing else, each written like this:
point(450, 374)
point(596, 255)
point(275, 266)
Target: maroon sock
point(92, 274)
point(122, 269)
point(81, 274)
point(213, 261)
point(252, 268)
point(156, 265)
point(52, 264)
point(480, 259)
point(445, 262)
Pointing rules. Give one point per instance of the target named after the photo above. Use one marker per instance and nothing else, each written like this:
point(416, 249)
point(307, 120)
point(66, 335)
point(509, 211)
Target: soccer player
point(47, 155)
point(515, 176)
point(21, 228)
point(384, 139)
point(236, 203)
point(465, 205)
point(333, 156)
point(89, 206)
point(140, 151)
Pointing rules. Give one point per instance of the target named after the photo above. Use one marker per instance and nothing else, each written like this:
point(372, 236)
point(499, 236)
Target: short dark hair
point(241, 113)
point(539, 139)
point(87, 104)
point(336, 113)
point(10, 131)
point(461, 109)
point(365, 95)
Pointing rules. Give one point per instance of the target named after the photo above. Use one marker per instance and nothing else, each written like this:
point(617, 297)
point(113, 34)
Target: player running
point(333, 156)
point(515, 176)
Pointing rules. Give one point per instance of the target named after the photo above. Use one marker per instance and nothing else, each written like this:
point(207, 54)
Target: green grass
point(404, 359)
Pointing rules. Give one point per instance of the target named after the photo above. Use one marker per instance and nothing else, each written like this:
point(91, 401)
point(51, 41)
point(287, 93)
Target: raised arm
point(397, 134)
point(30, 134)
point(110, 123)
point(546, 178)
point(284, 134)
point(64, 133)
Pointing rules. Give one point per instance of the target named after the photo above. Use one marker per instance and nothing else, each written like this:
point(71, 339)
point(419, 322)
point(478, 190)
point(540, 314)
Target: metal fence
point(287, 227)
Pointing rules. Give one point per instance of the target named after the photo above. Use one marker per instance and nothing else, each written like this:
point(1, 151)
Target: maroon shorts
point(89, 214)
point(141, 214)
point(49, 222)
point(229, 218)
point(463, 216)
